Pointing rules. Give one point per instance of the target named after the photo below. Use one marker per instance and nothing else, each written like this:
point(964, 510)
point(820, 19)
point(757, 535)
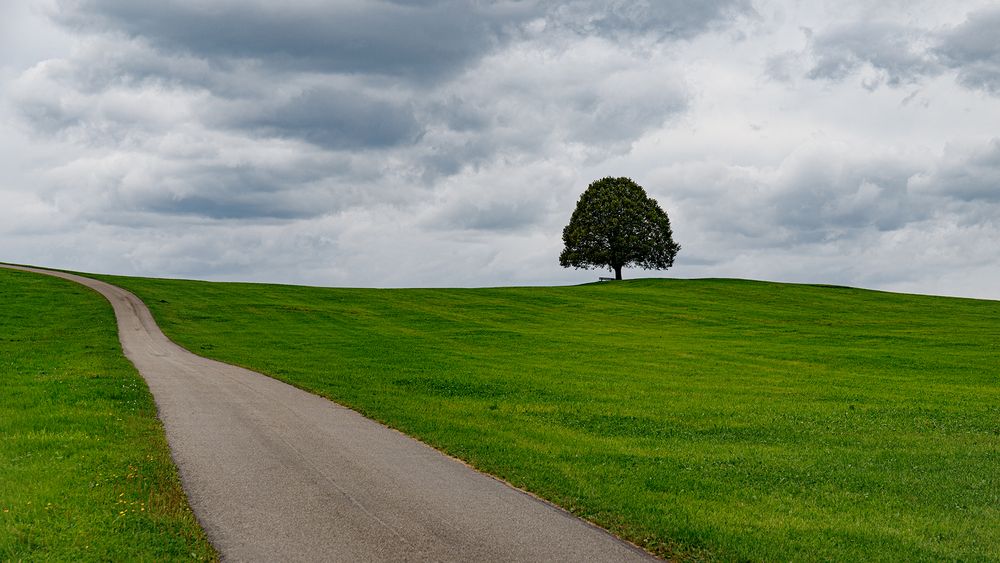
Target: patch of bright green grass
point(85, 473)
point(708, 419)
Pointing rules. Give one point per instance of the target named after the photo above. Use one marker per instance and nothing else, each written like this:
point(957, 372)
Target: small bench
point(605, 279)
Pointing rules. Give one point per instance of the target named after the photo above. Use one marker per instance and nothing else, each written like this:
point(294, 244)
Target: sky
point(406, 143)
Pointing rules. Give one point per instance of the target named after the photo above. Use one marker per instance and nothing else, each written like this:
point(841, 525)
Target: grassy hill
point(706, 419)
point(85, 473)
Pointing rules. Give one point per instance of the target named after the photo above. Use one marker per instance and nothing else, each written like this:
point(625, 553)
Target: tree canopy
point(615, 224)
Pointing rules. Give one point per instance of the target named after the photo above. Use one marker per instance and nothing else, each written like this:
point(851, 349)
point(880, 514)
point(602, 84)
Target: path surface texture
point(274, 473)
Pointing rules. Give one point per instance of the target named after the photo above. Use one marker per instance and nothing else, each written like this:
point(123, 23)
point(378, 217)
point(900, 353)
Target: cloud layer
point(900, 54)
point(445, 143)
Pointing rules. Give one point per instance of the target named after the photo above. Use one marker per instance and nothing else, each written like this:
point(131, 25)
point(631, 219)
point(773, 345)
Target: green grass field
point(85, 473)
point(708, 419)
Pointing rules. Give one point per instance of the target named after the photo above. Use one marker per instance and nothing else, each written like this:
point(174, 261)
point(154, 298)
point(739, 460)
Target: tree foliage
point(615, 224)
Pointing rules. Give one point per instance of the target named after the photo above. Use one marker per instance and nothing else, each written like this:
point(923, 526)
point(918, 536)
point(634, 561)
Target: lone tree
point(615, 224)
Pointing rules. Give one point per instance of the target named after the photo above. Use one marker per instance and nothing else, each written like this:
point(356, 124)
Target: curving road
point(274, 473)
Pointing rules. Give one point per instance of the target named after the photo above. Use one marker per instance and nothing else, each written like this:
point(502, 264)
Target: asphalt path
point(274, 473)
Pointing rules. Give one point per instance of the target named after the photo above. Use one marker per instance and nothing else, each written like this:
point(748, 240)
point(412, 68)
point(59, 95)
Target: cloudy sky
point(445, 143)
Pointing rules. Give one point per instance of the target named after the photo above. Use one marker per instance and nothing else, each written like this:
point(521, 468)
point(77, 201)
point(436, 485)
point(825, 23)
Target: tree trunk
point(618, 272)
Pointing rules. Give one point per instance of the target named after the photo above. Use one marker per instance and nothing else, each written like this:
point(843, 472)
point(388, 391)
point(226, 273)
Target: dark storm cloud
point(248, 55)
point(967, 175)
point(231, 192)
point(414, 39)
point(128, 189)
point(335, 119)
point(818, 193)
point(815, 197)
point(973, 48)
point(601, 106)
point(892, 49)
point(135, 63)
point(418, 40)
point(905, 55)
point(47, 117)
point(679, 19)
point(240, 206)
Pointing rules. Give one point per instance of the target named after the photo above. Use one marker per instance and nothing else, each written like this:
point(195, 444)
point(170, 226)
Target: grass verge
point(704, 419)
point(85, 472)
